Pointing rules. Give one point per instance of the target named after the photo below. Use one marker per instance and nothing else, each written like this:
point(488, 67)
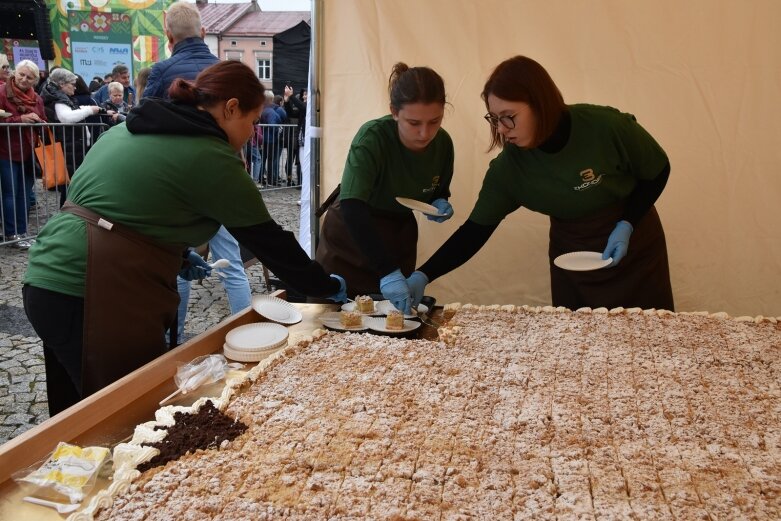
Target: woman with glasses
point(367, 235)
point(59, 101)
point(594, 170)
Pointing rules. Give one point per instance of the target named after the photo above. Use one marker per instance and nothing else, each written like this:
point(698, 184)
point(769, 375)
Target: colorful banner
point(145, 24)
point(99, 41)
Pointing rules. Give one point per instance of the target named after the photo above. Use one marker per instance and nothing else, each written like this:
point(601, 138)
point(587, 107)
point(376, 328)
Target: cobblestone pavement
point(22, 377)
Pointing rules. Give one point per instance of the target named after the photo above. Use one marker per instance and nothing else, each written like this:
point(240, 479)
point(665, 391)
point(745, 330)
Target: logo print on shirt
point(434, 185)
point(589, 179)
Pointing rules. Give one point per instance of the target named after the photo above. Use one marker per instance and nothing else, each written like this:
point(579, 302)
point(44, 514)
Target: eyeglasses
point(5, 67)
point(507, 121)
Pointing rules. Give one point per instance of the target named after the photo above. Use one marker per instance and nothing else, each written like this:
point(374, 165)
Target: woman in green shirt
point(100, 288)
point(594, 170)
point(367, 236)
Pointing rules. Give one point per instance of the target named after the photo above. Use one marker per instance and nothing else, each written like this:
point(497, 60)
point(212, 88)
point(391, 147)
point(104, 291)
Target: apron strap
point(128, 233)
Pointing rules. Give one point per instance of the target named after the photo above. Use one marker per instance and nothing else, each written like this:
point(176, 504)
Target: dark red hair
point(221, 82)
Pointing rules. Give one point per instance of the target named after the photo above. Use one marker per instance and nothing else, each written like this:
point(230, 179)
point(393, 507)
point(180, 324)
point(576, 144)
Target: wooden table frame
point(110, 415)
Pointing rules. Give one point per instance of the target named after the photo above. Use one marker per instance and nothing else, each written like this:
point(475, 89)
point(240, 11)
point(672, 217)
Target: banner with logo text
point(99, 41)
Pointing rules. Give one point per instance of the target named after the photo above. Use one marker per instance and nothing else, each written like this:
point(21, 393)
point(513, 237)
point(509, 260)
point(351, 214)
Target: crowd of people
point(27, 95)
point(179, 168)
point(87, 110)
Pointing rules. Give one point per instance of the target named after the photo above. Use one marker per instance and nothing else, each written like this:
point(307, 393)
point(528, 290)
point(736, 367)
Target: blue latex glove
point(195, 268)
point(341, 295)
point(417, 284)
point(444, 207)
point(618, 242)
point(394, 288)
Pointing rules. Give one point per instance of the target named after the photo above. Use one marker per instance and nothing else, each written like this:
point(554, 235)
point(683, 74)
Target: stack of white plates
point(276, 309)
point(253, 342)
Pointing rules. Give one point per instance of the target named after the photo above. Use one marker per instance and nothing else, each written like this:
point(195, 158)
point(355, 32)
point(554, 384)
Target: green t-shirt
point(607, 152)
point(379, 168)
point(176, 190)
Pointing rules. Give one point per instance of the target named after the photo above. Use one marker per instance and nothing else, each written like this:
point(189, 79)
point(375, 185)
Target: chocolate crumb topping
point(206, 429)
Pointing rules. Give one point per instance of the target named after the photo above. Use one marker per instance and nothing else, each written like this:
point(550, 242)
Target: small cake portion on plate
point(350, 319)
point(394, 320)
point(364, 304)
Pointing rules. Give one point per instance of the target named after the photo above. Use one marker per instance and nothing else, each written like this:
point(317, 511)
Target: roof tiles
point(267, 23)
point(216, 18)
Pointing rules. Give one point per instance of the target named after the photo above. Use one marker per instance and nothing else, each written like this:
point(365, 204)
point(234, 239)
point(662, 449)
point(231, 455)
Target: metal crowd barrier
point(275, 163)
point(279, 151)
point(21, 178)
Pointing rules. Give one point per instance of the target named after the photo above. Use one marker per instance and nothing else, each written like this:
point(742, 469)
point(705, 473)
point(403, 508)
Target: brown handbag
point(52, 160)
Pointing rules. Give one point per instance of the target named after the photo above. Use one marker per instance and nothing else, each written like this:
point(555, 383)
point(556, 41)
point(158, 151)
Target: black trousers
point(58, 319)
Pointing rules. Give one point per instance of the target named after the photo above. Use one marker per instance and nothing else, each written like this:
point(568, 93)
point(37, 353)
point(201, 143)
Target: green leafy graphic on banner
point(144, 25)
point(97, 22)
point(149, 22)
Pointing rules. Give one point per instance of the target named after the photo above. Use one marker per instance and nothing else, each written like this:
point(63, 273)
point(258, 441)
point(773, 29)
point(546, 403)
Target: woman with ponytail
point(367, 236)
point(100, 288)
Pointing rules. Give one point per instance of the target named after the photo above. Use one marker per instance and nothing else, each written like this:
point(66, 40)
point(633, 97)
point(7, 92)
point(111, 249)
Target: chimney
point(201, 2)
point(254, 7)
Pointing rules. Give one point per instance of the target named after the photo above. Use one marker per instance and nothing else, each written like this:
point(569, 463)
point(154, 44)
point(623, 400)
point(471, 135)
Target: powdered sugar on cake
point(524, 413)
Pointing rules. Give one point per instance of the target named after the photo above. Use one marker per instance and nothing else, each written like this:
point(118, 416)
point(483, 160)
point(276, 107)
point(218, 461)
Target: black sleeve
point(644, 196)
point(279, 251)
point(298, 104)
point(458, 249)
point(359, 222)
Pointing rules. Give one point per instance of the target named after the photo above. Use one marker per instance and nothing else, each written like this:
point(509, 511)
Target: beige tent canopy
point(703, 76)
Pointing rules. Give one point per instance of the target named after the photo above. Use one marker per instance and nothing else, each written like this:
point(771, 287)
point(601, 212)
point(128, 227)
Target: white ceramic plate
point(414, 204)
point(332, 321)
point(350, 306)
point(248, 356)
point(384, 306)
point(582, 261)
point(276, 309)
point(378, 324)
point(256, 337)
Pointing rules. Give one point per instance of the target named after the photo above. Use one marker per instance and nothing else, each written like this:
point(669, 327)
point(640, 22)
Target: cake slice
point(364, 304)
point(350, 319)
point(394, 320)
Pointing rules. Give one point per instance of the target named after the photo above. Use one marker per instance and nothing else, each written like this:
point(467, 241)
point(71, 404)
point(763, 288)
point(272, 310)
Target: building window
point(264, 69)
point(233, 43)
point(233, 55)
point(263, 43)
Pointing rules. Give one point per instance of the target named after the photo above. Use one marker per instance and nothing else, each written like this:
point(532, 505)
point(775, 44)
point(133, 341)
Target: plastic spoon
point(62, 508)
point(221, 263)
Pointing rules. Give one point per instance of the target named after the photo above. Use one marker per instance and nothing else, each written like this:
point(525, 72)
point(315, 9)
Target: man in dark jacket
point(120, 73)
point(190, 55)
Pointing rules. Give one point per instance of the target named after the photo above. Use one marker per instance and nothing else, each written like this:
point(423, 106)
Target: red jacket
point(21, 139)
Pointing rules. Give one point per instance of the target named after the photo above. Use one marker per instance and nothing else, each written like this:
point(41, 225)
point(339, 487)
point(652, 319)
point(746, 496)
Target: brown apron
point(130, 299)
point(641, 279)
point(338, 253)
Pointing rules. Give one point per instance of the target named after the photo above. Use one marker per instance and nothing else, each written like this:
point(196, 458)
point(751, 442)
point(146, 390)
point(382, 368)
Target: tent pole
point(315, 66)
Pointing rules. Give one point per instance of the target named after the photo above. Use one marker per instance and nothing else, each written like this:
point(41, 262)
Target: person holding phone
point(367, 236)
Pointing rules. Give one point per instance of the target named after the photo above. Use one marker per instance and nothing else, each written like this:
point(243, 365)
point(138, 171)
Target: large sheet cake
point(516, 413)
